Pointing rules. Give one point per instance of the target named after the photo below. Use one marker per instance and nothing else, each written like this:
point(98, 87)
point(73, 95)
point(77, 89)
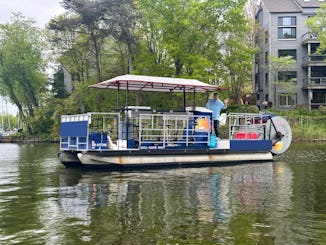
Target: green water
point(280, 202)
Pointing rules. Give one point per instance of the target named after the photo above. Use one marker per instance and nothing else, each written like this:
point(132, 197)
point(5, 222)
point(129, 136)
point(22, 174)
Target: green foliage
point(242, 109)
point(200, 39)
point(10, 122)
point(83, 33)
point(70, 46)
point(317, 25)
point(277, 64)
point(322, 109)
point(237, 53)
point(307, 127)
point(306, 124)
point(21, 65)
point(58, 86)
point(42, 124)
point(300, 112)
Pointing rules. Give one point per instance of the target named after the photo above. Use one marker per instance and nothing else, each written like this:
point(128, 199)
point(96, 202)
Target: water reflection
point(25, 172)
point(182, 204)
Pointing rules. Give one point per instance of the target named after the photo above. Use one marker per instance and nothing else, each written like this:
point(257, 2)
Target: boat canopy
point(155, 84)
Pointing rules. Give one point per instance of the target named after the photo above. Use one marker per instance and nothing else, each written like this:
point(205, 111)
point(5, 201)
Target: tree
point(238, 52)
point(22, 76)
point(91, 23)
point(58, 86)
point(317, 25)
point(71, 46)
point(201, 39)
point(176, 35)
point(277, 64)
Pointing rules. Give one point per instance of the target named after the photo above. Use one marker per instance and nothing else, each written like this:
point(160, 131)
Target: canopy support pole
point(126, 114)
point(127, 94)
point(118, 90)
point(194, 99)
point(184, 98)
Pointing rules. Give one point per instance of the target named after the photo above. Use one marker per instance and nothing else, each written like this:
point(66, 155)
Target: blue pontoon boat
point(140, 136)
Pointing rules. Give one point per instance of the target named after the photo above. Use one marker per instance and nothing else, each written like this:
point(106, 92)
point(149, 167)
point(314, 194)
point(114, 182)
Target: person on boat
point(216, 105)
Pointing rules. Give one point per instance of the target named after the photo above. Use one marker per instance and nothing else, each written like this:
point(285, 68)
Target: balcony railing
point(314, 59)
point(315, 105)
point(315, 81)
point(308, 37)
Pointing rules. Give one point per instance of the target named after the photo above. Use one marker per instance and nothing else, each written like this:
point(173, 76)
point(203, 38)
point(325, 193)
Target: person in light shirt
point(216, 105)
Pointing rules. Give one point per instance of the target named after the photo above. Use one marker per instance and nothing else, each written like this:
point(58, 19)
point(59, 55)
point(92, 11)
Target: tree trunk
point(97, 57)
point(178, 66)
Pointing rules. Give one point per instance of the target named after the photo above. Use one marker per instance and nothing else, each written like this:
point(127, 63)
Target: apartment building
point(283, 33)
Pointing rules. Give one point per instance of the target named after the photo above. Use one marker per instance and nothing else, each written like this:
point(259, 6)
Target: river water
point(280, 202)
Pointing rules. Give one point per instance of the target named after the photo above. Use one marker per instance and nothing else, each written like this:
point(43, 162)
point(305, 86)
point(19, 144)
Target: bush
point(322, 109)
point(300, 112)
point(242, 109)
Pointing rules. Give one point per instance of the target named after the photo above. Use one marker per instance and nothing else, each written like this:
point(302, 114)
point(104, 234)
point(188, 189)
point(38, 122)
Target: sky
point(39, 10)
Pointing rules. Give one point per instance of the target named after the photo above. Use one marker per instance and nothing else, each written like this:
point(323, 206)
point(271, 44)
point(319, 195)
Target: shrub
point(242, 109)
point(322, 109)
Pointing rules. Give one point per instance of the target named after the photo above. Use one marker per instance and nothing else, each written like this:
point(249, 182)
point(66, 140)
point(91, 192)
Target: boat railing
point(173, 130)
point(89, 131)
point(143, 130)
point(247, 126)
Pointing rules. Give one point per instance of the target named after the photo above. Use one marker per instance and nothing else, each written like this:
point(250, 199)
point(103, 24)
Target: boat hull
point(123, 159)
point(69, 159)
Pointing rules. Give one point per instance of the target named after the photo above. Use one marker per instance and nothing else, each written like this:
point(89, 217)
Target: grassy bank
point(308, 128)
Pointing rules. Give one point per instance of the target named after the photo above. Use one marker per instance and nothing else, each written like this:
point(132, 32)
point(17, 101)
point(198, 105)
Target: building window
point(287, 101)
point(266, 58)
point(319, 96)
point(288, 52)
point(266, 37)
point(287, 76)
point(266, 80)
point(287, 27)
point(287, 21)
point(287, 32)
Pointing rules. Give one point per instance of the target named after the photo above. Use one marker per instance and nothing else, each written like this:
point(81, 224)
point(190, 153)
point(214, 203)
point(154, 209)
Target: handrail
point(173, 130)
point(250, 126)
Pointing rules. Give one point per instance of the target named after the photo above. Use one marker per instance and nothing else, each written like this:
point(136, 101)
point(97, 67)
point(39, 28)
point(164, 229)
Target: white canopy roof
point(155, 84)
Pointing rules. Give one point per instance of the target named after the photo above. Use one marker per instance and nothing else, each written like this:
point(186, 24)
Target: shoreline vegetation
point(307, 128)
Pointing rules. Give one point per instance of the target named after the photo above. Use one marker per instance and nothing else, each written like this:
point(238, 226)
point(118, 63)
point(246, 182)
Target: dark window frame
point(285, 99)
point(287, 52)
point(287, 76)
point(293, 20)
point(287, 27)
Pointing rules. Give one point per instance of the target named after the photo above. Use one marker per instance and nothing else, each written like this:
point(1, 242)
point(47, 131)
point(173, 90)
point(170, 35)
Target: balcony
point(315, 83)
point(308, 38)
point(317, 105)
point(314, 60)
